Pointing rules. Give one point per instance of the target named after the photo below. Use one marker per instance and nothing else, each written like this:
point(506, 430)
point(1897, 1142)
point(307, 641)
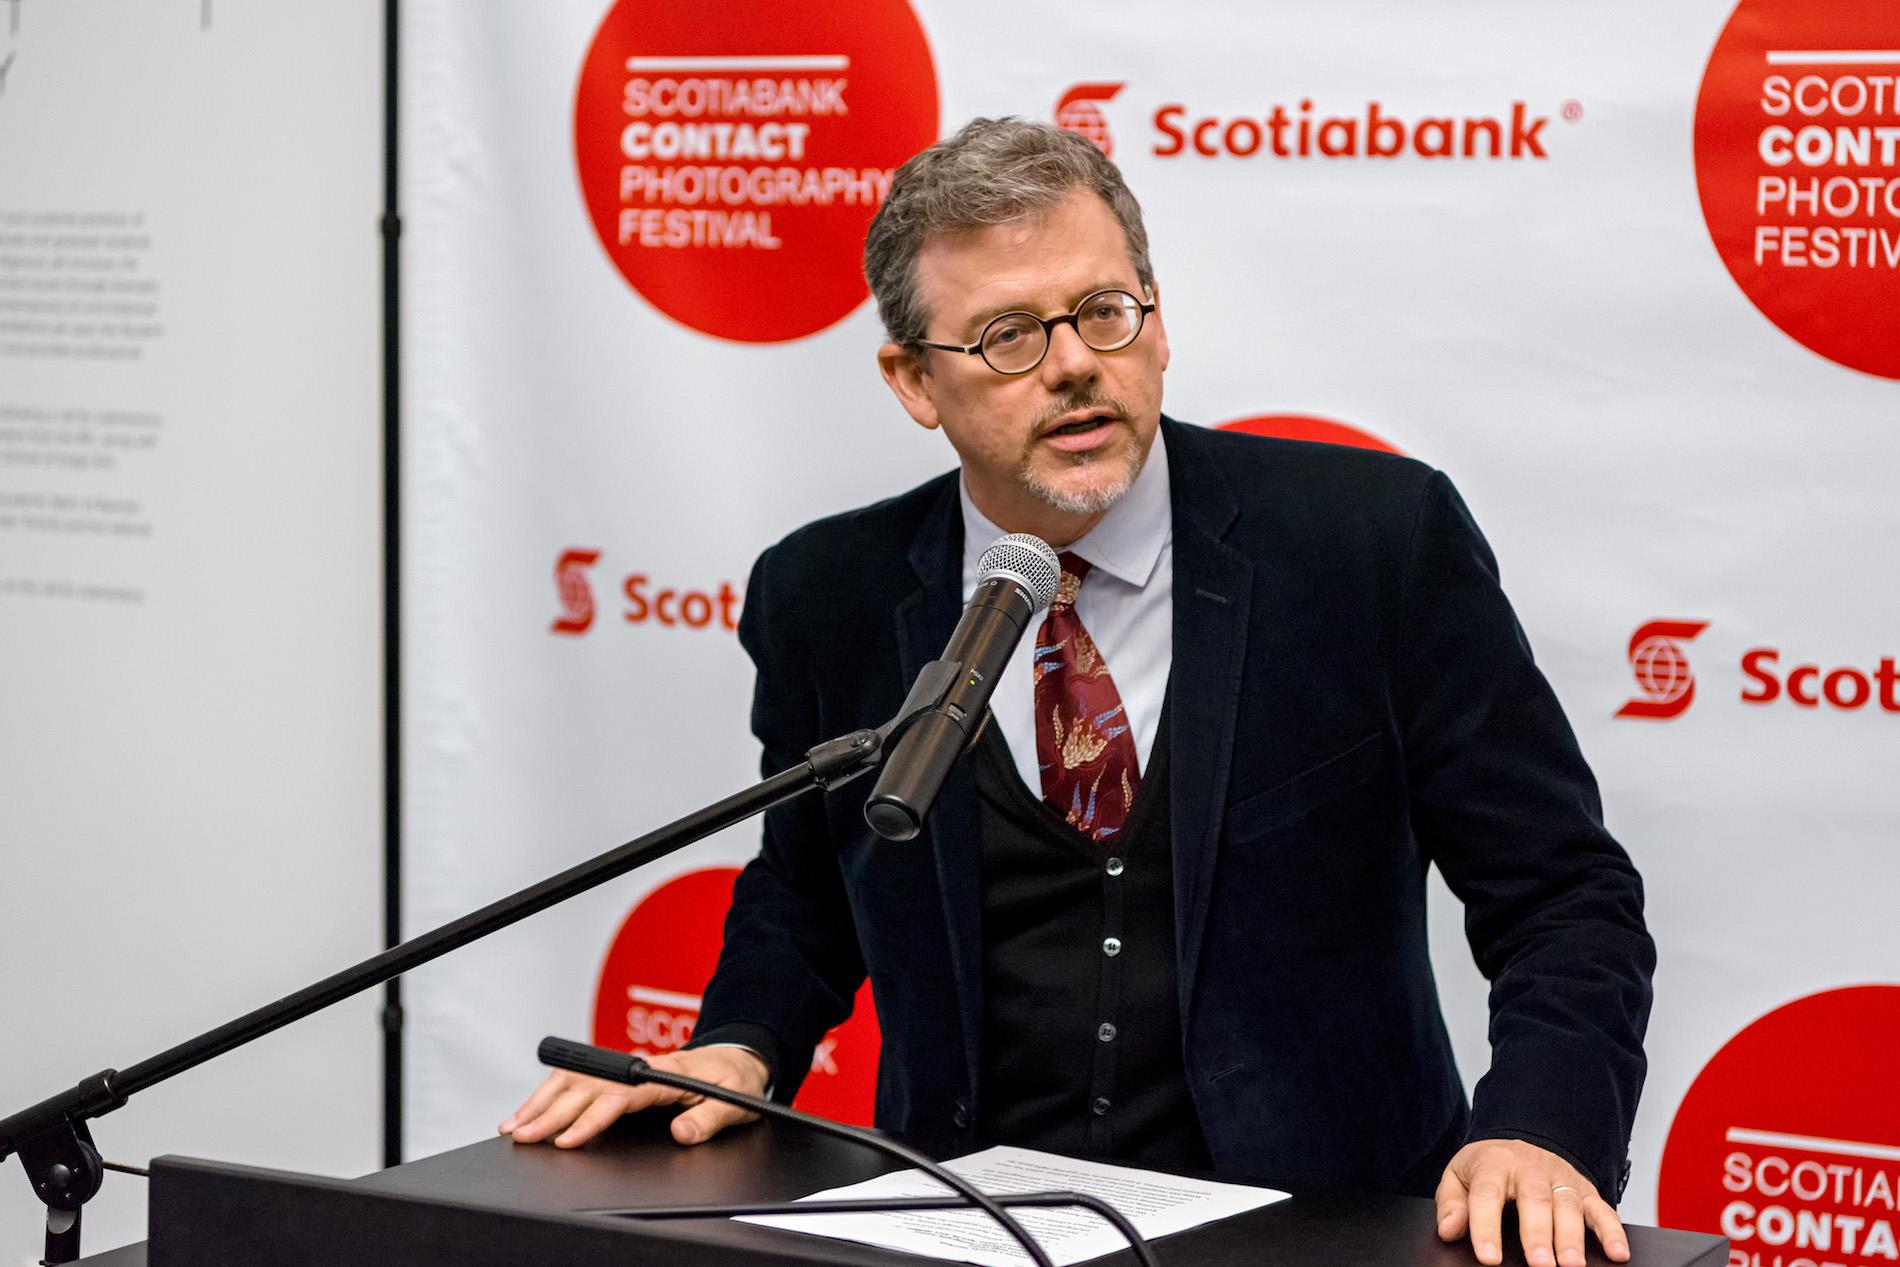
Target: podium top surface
point(637, 1164)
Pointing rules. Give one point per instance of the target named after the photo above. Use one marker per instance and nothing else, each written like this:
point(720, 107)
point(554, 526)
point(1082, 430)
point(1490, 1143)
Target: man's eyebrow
point(987, 315)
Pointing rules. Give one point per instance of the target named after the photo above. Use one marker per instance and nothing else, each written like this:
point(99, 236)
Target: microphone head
point(1026, 559)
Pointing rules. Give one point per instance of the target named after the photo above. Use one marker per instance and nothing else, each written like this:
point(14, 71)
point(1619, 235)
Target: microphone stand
point(602, 1062)
point(52, 1137)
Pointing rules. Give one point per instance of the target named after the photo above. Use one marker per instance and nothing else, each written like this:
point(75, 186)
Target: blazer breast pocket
point(1338, 775)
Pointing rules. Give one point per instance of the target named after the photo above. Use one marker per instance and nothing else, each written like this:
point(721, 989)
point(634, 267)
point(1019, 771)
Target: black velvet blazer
point(1353, 701)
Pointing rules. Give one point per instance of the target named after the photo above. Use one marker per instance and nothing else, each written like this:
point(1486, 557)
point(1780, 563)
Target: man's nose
point(1069, 360)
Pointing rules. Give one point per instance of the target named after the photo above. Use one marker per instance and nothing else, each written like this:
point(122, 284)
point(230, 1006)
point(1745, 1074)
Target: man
point(1170, 909)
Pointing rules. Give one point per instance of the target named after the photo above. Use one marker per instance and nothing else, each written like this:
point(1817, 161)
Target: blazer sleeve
point(790, 967)
point(1503, 802)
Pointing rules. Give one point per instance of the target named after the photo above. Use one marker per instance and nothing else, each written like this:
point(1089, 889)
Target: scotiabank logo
point(644, 600)
point(1811, 685)
point(575, 594)
point(1797, 159)
point(1662, 669)
point(1668, 684)
point(1788, 1142)
point(1309, 129)
point(1079, 112)
point(648, 998)
point(732, 153)
point(1306, 131)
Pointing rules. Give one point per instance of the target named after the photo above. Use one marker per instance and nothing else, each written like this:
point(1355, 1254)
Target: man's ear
point(904, 373)
point(1161, 329)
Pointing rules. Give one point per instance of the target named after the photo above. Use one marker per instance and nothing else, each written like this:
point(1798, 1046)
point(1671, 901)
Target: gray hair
point(991, 172)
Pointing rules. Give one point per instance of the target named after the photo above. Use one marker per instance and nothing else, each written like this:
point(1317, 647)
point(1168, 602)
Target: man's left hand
point(1554, 1204)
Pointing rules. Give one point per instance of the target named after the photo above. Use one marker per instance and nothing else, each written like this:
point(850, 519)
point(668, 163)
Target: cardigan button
point(960, 1114)
point(1111, 946)
point(1114, 866)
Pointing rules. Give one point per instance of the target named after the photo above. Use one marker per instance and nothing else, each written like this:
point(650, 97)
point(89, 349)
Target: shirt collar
point(1126, 543)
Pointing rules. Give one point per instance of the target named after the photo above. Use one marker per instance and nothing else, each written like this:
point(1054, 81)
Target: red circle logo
point(650, 985)
point(1797, 155)
point(1307, 427)
point(1788, 1143)
point(732, 155)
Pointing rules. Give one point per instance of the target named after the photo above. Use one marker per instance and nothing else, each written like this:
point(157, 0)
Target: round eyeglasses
point(1016, 342)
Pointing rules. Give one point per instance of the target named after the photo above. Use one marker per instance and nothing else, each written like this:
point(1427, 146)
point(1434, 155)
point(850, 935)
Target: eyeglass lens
point(1106, 321)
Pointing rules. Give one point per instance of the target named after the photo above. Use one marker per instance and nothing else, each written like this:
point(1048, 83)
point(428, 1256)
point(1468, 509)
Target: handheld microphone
point(1019, 579)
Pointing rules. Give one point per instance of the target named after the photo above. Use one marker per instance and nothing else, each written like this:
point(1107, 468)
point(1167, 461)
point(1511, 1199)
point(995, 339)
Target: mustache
point(1091, 399)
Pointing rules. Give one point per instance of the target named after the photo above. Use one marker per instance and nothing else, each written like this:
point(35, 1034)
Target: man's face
point(1050, 450)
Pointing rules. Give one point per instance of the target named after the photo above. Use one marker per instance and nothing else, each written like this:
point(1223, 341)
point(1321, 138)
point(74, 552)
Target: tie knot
point(1074, 569)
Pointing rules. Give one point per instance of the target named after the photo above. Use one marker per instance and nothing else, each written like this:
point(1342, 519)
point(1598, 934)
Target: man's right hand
point(579, 1107)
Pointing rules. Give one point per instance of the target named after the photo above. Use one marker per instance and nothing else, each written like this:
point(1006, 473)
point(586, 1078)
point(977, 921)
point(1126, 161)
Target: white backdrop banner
point(190, 574)
point(1629, 274)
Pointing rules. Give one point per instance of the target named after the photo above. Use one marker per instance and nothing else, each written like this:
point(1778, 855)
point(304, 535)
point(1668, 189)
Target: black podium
point(500, 1203)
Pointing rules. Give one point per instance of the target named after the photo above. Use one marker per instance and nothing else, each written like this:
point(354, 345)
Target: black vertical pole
point(392, 594)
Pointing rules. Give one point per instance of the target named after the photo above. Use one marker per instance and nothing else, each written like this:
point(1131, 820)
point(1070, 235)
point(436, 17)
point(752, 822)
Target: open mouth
point(1081, 426)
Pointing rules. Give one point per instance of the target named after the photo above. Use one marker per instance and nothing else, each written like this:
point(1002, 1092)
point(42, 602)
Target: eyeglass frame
point(1049, 324)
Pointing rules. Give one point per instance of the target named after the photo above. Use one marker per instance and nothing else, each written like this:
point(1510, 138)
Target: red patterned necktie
point(1084, 746)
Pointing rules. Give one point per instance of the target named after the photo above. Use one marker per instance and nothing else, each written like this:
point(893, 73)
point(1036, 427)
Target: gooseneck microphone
point(601, 1062)
point(1019, 576)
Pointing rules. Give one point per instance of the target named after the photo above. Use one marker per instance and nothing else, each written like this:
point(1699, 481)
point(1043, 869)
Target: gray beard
point(1092, 502)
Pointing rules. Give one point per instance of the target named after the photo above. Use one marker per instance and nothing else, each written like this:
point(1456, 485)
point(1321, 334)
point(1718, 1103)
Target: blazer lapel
point(925, 620)
point(1212, 585)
